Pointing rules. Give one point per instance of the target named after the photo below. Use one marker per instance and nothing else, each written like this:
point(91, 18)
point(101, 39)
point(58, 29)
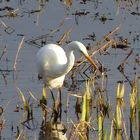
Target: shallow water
point(32, 25)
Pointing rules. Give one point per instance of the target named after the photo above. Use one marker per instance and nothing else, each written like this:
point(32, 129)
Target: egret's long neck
point(70, 60)
point(65, 68)
point(73, 46)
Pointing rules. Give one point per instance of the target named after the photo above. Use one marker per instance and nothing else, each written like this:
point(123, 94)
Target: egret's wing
point(50, 59)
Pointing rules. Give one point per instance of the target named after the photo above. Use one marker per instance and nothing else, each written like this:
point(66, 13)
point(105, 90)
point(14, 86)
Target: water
point(33, 25)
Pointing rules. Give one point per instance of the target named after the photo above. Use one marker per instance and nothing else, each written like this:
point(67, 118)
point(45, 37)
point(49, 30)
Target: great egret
point(53, 63)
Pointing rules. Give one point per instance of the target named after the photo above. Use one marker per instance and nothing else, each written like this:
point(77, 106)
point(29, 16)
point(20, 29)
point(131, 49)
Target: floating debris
point(7, 29)
point(67, 3)
point(135, 13)
point(34, 11)
point(121, 44)
point(104, 18)
point(90, 37)
point(8, 8)
point(10, 13)
point(39, 41)
point(78, 13)
point(1, 110)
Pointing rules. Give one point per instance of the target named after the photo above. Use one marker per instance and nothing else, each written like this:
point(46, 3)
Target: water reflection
point(53, 131)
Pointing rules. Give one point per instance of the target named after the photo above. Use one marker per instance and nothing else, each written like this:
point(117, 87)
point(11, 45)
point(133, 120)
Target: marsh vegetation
point(101, 105)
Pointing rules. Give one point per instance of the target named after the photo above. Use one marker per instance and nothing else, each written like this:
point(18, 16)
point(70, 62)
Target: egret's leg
point(56, 107)
point(60, 102)
point(44, 102)
point(54, 104)
point(60, 94)
point(44, 95)
point(52, 96)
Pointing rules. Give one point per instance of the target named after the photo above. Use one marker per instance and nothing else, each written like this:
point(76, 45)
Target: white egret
point(53, 63)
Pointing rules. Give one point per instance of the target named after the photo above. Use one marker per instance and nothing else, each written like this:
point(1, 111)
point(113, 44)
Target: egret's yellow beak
point(91, 61)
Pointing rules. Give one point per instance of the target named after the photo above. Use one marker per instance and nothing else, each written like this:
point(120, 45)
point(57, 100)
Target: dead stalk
point(101, 42)
point(19, 47)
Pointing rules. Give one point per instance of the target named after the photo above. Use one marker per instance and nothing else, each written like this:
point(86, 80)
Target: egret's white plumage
point(53, 63)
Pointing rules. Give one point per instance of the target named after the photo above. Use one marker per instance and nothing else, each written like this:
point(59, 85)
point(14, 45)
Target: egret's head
point(78, 46)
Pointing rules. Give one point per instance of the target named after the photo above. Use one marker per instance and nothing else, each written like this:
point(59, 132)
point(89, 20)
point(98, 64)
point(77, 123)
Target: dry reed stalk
point(128, 3)
point(25, 104)
point(3, 53)
point(107, 37)
point(80, 130)
point(67, 3)
point(43, 105)
point(18, 50)
point(111, 130)
point(119, 110)
point(64, 37)
point(39, 9)
point(101, 42)
point(56, 29)
point(100, 126)
point(3, 24)
point(19, 136)
point(138, 105)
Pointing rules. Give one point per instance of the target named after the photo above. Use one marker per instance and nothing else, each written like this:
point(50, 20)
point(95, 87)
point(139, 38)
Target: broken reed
point(133, 106)
point(26, 107)
point(117, 122)
point(100, 126)
point(119, 111)
point(83, 127)
point(43, 103)
point(85, 118)
point(138, 104)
